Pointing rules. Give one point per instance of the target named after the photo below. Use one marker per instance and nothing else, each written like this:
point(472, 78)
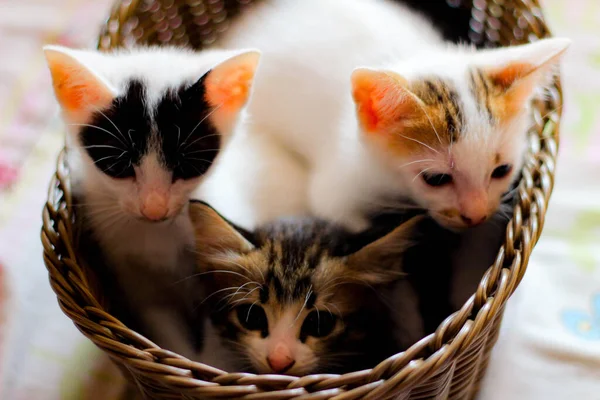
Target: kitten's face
point(148, 138)
point(455, 134)
point(462, 176)
point(287, 324)
point(151, 158)
point(292, 303)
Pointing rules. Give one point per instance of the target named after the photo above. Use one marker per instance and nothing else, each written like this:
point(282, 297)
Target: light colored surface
point(550, 344)
point(550, 340)
point(42, 355)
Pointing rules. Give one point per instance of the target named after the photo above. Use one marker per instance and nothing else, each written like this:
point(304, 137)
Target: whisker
point(199, 159)
point(178, 136)
point(430, 122)
point(116, 162)
point(415, 162)
point(250, 309)
point(423, 171)
point(105, 146)
point(244, 285)
point(198, 124)
point(223, 271)
point(196, 169)
point(218, 291)
point(187, 146)
point(308, 293)
point(200, 151)
point(101, 129)
point(110, 120)
point(248, 293)
point(418, 141)
point(104, 158)
point(129, 134)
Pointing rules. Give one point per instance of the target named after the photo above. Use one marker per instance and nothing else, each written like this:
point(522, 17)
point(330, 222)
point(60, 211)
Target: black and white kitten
point(300, 296)
point(145, 126)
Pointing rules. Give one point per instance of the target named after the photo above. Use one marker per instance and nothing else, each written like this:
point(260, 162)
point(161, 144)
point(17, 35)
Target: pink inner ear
point(229, 89)
point(366, 108)
point(386, 108)
point(77, 89)
point(228, 85)
point(505, 77)
point(380, 100)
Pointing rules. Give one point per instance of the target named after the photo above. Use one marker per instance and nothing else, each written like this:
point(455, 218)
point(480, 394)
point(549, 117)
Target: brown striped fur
point(452, 127)
point(293, 268)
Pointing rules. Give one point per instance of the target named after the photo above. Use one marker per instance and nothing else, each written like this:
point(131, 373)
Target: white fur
point(255, 181)
point(302, 99)
point(113, 204)
point(111, 207)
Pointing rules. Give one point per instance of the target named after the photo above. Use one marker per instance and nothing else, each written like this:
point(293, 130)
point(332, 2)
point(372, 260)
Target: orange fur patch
point(76, 88)
point(228, 85)
point(506, 76)
point(382, 101)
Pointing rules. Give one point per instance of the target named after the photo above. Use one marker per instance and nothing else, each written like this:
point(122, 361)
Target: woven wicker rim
point(430, 356)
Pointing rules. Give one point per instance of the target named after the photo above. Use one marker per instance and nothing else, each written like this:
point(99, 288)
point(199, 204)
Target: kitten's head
point(148, 123)
point(299, 296)
point(452, 125)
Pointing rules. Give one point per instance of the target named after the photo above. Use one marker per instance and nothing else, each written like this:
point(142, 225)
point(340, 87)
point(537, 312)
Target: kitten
point(301, 296)
point(438, 126)
point(145, 126)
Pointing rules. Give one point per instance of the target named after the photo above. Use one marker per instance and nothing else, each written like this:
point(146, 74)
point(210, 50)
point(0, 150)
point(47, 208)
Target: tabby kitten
point(380, 108)
point(301, 296)
point(144, 127)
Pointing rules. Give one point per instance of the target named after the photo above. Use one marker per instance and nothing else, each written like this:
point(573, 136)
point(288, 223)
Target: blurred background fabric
point(550, 341)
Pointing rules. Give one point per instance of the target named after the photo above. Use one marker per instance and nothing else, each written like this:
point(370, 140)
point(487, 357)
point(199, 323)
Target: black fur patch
point(178, 128)
point(190, 142)
point(117, 138)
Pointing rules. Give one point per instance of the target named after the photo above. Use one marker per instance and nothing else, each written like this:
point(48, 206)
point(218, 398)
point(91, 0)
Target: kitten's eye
point(253, 318)
point(318, 324)
point(436, 180)
point(501, 171)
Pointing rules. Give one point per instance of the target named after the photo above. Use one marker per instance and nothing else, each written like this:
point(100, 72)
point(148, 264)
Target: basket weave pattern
point(447, 364)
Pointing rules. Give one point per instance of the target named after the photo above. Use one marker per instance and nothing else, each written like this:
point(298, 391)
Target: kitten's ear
point(382, 99)
point(228, 86)
point(380, 262)
point(517, 71)
point(214, 234)
point(79, 91)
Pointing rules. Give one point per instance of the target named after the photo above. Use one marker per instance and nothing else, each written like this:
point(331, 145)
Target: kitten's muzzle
point(280, 360)
point(155, 207)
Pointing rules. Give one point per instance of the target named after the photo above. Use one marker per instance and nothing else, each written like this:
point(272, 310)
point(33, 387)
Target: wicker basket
point(447, 364)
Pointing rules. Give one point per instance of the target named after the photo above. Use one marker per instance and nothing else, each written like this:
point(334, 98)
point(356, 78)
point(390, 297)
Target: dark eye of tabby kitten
point(253, 318)
point(318, 324)
point(177, 129)
point(298, 273)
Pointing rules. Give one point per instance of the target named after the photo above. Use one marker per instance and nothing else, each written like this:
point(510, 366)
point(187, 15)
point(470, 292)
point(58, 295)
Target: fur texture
point(301, 296)
point(442, 125)
point(144, 128)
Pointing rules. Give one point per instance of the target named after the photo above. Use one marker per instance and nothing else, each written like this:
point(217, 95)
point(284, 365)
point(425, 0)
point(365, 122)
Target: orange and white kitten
point(377, 107)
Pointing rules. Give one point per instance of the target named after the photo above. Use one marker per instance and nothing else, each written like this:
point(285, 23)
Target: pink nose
point(473, 221)
point(155, 207)
point(474, 208)
point(280, 360)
